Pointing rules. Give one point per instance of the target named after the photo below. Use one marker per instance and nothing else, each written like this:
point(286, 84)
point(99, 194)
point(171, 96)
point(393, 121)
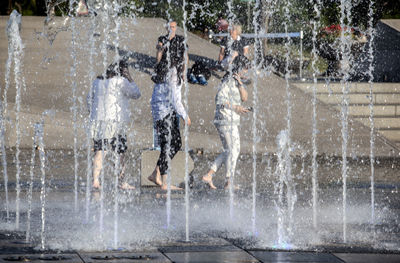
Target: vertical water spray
point(231, 179)
point(285, 189)
point(117, 164)
point(287, 73)
point(73, 72)
point(186, 132)
point(116, 185)
point(13, 26)
point(16, 54)
point(371, 37)
point(89, 168)
point(106, 21)
point(168, 150)
point(43, 182)
point(256, 65)
point(31, 175)
point(4, 163)
point(314, 52)
point(344, 71)
point(290, 190)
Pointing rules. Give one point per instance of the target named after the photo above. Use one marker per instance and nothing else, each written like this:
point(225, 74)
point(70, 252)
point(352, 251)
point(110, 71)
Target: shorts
point(113, 142)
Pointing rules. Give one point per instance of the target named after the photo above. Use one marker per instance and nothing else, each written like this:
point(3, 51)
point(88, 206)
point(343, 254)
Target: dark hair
point(238, 64)
point(116, 68)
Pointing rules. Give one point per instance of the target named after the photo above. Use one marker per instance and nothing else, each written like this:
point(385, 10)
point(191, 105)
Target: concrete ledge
point(377, 110)
point(355, 87)
point(387, 123)
point(352, 98)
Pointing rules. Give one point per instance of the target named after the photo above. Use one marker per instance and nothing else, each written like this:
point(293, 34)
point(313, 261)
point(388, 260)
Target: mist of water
point(371, 36)
point(31, 177)
point(345, 62)
point(16, 54)
point(74, 107)
point(186, 131)
point(256, 67)
point(42, 158)
point(314, 176)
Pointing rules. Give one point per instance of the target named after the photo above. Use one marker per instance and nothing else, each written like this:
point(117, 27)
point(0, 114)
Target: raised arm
point(242, 90)
point(221, 54)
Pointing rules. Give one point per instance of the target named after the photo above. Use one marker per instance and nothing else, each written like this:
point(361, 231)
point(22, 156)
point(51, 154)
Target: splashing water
point(285, 189)
point(16, 54)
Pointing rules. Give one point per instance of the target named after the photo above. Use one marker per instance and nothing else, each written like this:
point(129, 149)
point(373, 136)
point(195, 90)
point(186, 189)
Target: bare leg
point(124, 185)
point(227, 184)
point(208, 179)
point(155, 177)
point(97, 166)
point(164, 185)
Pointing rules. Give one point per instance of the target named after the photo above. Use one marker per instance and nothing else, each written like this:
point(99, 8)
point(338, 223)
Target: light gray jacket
point(228, 93)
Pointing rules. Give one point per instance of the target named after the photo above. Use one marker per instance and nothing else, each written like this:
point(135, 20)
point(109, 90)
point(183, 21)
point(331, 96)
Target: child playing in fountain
point(231, 93)
point(108, 104)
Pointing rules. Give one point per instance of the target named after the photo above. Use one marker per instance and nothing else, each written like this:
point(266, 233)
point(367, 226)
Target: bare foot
point(173, 187)
point(155, 178)
point(126, 186)
point(207, 179)
point(227, 185)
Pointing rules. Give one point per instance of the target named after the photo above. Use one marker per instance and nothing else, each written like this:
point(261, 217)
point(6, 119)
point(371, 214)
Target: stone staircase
point(386, 100)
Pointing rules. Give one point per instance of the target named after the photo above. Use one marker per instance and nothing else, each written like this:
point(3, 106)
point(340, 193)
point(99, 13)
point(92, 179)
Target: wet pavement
point(187, 253)
point(138, 233)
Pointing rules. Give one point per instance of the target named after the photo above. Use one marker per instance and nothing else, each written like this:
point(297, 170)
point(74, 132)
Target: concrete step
point(385, 97)
point(356, 87)
point(393, 135)
point(383, 123)
point(378, 111)
point(335, 99)
point(360, 99)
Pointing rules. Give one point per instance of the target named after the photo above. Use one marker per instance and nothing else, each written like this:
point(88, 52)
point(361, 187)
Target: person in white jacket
point(230, 94)
point(109, 108)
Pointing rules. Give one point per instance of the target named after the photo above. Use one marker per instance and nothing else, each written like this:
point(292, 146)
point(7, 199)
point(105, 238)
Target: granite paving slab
point(36, 258)
point(368, 258)
point(199, 243)
point(198, 248)
point(17, 246)
point(275, 256)
point(211, 257)
point(150, 257)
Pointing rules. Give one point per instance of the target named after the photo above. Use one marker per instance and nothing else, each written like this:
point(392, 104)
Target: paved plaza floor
point(13, 249)
point(143, 236)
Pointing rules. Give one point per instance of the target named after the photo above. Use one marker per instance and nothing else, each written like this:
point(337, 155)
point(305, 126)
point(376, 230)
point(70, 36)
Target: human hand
point(237, 77)
point(125, 73)
point(188, 121)
point(240, 109)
